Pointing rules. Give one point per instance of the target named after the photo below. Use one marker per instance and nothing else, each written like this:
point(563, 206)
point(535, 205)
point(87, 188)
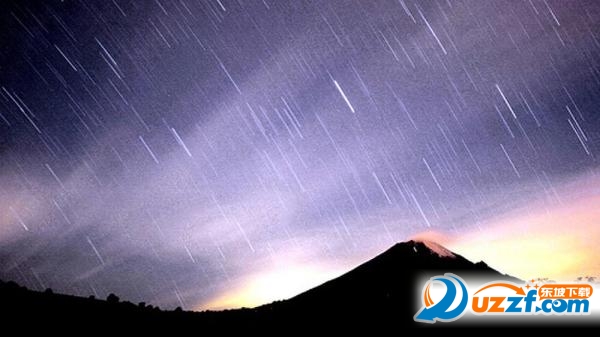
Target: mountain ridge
point(383, 290)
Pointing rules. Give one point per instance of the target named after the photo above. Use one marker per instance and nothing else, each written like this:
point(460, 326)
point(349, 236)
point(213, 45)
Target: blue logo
point(432, 312)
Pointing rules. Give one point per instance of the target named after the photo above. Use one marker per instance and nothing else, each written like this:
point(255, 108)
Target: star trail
point(170, 151)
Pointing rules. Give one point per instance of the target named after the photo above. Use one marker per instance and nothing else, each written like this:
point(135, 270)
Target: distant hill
point(381, 292)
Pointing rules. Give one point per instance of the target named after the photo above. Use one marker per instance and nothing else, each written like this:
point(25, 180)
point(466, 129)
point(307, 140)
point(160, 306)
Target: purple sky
point(169, 151)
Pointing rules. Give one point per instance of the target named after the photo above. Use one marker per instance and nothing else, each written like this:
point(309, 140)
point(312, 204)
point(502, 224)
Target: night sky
point(174, 151)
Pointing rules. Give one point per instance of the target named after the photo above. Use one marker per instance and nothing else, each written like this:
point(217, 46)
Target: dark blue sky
point(166, 150)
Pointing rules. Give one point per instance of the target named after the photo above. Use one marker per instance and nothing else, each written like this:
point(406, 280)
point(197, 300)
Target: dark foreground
point(380, 294)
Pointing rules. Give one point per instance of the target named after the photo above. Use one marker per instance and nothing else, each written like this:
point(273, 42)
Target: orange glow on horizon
point(277, 284)
point(561, 244)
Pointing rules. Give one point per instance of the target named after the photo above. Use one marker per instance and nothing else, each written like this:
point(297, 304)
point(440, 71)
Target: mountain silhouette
point(384, 292)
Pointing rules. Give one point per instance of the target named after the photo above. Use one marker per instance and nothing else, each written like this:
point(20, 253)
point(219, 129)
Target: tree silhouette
point(112, 298)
